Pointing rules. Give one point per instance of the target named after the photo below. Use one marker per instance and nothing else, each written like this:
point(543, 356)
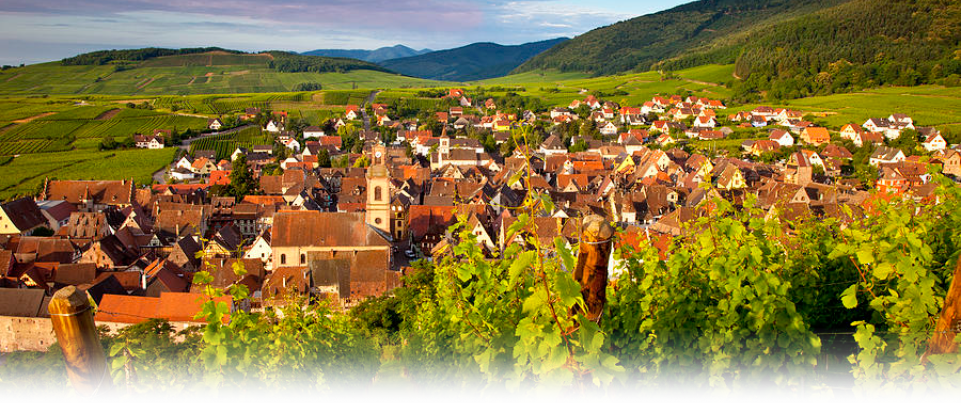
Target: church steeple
point(378, 190)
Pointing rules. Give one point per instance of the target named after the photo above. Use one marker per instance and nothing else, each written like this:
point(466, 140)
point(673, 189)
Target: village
point(349, 233)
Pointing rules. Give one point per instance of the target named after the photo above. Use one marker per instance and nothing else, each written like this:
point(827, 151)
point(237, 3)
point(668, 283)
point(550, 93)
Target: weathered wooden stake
point(949, 324)
point(592, 258)
point(72, 319)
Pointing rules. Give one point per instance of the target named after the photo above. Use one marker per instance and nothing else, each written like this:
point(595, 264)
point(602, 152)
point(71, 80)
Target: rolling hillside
point(374, 56)
point(792, 48)
point(211, 72)
point(468, 63)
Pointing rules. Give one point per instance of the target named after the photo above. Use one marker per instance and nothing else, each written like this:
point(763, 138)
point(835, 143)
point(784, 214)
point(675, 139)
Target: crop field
point(169, 76)
point(225, 144)
point(928, 105)
point(25, 174)
point(711, 73)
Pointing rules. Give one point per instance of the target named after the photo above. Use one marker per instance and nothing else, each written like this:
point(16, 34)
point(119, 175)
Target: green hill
point(782, 45)
point(184, 72)
point(468, 63)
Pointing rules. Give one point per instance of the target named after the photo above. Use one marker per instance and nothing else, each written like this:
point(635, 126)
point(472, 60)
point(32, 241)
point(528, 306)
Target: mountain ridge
point(373, 56)
point(476, 61)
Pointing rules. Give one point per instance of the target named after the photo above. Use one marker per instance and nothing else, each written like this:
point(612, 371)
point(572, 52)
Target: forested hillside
point(472, 62)
point(783, 49)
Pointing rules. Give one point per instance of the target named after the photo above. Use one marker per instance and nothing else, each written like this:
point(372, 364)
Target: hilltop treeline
point(101, 57)
point(860, 44)
point(781, 49)
point(285, 62)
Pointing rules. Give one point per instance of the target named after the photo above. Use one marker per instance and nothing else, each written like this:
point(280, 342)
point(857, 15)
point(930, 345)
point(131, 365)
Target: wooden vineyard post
point(949, 324)
point(593, 255)
point(72, 318)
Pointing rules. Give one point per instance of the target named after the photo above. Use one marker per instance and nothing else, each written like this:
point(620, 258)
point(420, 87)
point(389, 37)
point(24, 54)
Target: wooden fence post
point(593, 254)
point(72, 318)
point(949, 324)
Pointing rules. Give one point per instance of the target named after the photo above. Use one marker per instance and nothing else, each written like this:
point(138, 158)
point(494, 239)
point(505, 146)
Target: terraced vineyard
point(25, 174)
point(225, 144)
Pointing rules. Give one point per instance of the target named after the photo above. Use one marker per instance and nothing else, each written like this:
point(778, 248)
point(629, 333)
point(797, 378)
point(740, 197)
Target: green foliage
point(286, 354)
point(107, 56)
point(509, 321)
point(242, 181)
point(293, 63)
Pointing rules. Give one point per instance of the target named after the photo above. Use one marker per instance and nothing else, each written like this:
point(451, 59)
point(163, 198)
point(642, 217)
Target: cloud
point(299, 25)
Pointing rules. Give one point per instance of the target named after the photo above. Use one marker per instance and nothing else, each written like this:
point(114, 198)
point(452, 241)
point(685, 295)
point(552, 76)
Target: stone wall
point(26, 334)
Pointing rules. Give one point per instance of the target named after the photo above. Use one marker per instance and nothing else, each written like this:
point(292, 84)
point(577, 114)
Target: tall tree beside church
point(242, 182)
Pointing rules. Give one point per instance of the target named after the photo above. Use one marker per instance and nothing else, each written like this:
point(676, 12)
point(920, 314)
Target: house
point(352, 112)
point(850, 131)
point(934, 142)
point(203, 166)
point(214, 124)
point(764, 146)
point(313, 131)
point(90, 195)
point(705, 121)
point(815, 135)
point(149, 142)
point(782, 137)
point(273, 127)
point(886, 155)
point(490, 104)
point(21, 216)
point(608, 129)
point(867, 138)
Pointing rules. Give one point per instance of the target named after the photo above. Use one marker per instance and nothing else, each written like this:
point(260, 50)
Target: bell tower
point(378, 190)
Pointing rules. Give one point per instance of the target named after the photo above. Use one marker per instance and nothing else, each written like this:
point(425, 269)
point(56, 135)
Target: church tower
point(378, 190)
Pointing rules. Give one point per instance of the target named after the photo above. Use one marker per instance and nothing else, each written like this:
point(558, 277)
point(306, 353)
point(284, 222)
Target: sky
point(36, 31)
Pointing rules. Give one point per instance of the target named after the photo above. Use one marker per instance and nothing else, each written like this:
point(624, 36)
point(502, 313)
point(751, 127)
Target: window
point(303, 258)
point(377, 193)
point(283, 259)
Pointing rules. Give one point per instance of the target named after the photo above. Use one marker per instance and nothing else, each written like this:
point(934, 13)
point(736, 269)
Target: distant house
point(934, 142)
point(850, 131)
point(149, 142)
point(313, 131)
point(609, 129)
point(214, 124)
point(353, 112)
point(782, 137)
point(815, 135)
point(886, 155)
point(273, 127)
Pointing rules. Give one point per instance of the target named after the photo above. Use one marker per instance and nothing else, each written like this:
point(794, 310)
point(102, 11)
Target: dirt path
point(32, 118)
point(108, 114)
point(141, 86)
point(192, 79)
point(14, 77)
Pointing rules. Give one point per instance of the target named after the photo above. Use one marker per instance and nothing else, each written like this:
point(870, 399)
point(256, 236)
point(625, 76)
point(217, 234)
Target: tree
point(323, 158)
point(242, 182)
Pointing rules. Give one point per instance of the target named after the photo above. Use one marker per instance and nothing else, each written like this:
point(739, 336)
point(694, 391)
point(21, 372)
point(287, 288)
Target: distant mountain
point(781, 48)
point(374, 56)
point(477, 61)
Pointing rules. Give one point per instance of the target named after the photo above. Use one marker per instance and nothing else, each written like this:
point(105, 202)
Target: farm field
point(225, 144)
point(25, 174)
point(928, 105)
point(159, 77)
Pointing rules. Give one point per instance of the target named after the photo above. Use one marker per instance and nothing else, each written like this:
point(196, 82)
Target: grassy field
point(559, 89)
point(182, 75)
point(25, 174)
point(711, 73)
point(928, 105)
